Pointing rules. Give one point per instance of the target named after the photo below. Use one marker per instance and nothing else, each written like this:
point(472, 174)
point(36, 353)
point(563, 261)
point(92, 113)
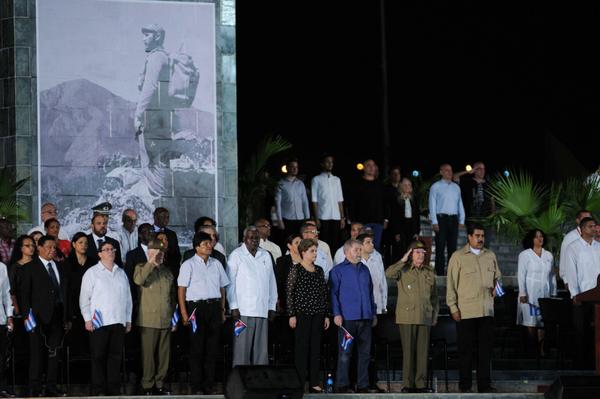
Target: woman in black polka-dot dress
point(308, 307)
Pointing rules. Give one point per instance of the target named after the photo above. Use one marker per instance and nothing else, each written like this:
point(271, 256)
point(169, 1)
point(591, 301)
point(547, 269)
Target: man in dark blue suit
point(98, 236)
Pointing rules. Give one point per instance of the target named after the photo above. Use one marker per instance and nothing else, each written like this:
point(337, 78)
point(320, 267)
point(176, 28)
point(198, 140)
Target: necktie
point(54, 280)
point(100, 241)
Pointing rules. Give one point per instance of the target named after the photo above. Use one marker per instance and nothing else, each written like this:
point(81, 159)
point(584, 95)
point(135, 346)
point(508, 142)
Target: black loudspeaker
point(574, 387)
point(263, 382)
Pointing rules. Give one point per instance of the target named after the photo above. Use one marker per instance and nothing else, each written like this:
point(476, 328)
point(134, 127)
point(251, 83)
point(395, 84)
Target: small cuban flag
point(30, 323)
point(534, 310)
point(346, 340)
point(175, 318)
point(97, 321)
point(499, 290)
point(192, 320)
point(238, 327)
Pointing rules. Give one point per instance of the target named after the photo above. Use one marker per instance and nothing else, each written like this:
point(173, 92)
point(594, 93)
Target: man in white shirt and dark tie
point(446, 213)
point(570, 237)
point(252, 296)
point(106, 307)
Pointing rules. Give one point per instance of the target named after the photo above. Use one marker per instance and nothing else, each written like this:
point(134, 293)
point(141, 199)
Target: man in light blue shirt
point(291, 200)
point(446, 213)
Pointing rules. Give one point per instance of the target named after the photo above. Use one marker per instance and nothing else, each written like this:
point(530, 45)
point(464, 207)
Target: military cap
point(156, 244)
point(418, 244)
point(155, 28)
point(103, 208)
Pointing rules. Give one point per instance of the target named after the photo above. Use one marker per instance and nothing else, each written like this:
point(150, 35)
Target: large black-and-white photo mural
point(127, 108)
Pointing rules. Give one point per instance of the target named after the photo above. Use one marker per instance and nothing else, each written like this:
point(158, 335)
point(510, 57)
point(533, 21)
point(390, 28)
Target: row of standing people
point(392, 211)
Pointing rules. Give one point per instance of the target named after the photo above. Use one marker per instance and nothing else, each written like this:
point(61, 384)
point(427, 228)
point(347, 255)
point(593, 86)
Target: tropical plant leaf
point(517, 193)
point(11, 207)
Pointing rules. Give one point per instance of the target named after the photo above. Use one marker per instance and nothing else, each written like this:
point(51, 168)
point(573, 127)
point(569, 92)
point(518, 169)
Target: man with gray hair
point(252, 296)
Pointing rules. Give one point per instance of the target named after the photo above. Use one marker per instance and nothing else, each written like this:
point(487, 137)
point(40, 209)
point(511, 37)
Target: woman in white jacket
point(536, 280)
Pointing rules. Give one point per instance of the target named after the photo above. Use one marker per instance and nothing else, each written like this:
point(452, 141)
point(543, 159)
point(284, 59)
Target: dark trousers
point(361, 331)
point(475, 335)
point(107, 353)
point(309, 329)
point(204, 343)
point(445, 238)
point(291, 227)
point(583, 316)
point(330, 232)
point(44, 347)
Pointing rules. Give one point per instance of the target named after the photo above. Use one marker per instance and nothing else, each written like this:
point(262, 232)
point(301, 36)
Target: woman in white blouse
point(536, 280)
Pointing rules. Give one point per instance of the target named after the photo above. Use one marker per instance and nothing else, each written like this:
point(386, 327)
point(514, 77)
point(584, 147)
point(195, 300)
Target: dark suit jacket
point(92, 251)
point(39, 293)
point(133, 258)
point(173, 258)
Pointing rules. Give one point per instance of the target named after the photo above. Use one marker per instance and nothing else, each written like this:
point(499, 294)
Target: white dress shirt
point(272, 248)
point(219, 247)
point(6, 310)
point(291, 201)
point(570, 237)
point(326, 191)
point(53, 265)
point(324, 260)
point(444, 197)
point(339, 256)
point(108, 292)
point(252, 288)
point(583, 265)
point(202, 280)
point(380, 288)
point(127, 241)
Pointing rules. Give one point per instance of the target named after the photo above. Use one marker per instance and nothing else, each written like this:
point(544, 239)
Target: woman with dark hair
point(536, 280)
point(308, 304)
point(22, 254)
point(417, 309)
point(76, 264)
point(63, 247)
point(405, 223)
point(284, 265)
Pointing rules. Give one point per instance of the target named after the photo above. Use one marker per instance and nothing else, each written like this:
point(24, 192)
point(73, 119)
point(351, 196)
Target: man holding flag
point(45, 299)
point(157, 301)
point(472, 284)
point(355, 313)
point(106, 307)
point(201, 296)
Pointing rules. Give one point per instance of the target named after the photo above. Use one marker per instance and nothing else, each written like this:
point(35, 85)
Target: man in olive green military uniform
point(157, 303)
point(470, 290)
point(416, 311)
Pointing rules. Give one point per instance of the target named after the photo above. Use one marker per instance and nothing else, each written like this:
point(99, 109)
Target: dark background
point(512, 84)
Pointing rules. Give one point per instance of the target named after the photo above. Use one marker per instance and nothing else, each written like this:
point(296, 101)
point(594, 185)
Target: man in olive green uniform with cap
point(157, 303)
point(416, 311)
point(470, 290)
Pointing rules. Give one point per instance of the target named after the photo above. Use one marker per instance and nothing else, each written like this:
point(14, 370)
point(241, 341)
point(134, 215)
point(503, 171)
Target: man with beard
point(98, 236)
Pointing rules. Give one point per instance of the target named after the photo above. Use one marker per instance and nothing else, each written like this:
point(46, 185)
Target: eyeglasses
point(268, 226)
point(312, 231)
point(109, 250)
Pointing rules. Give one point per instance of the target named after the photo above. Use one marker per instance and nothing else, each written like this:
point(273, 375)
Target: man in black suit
point(173, 258)
point(98, 236)
point(44, 290)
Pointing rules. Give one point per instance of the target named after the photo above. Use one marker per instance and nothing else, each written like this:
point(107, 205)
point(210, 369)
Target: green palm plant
point(518, 201)
point(581, 193)
point(255, 183)
point(11, 207)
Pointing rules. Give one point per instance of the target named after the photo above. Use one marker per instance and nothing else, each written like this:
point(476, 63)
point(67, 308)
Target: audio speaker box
point(574, 387)
point(263, 382)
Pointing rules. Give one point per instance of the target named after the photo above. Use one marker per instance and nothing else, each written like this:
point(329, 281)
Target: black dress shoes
point(161, 391)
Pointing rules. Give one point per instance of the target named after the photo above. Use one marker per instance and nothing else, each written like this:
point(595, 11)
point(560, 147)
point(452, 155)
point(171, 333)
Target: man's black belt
point(445, 215)
point(206, 301)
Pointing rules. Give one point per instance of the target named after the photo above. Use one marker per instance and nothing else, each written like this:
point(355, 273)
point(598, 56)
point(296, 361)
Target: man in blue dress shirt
point(446, 213)
point(354, 309)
